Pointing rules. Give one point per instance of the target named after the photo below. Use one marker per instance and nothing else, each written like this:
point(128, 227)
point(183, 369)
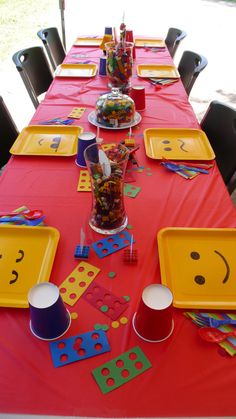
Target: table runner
point(188, 377)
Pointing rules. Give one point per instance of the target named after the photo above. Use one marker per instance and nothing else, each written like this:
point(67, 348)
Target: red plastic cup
point(153, 320)
point(130, 38)
point(137, 93)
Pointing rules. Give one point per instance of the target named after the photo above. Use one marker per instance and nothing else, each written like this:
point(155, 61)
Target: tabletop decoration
point(107, 169)
point(49, 317)
point(177, 144)
point(20, 245)
point(77, 282)
point(114, 243)
point(229, 343)
point(47, 140)
point(77, 113)
point(82, 251)
point(84, 184)
point(120, 61)
point(92, 41)
point(115, 109)
point(105, 301)
point(79, 347)
point(121, 369)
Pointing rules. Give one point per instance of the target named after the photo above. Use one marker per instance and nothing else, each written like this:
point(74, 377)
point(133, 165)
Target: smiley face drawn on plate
point(14, 273)
point(200, 279)
point(169, 145)
point(53, 143)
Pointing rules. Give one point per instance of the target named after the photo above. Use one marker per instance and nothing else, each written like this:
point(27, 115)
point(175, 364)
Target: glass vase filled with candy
point(120, 62)
point(107, 168)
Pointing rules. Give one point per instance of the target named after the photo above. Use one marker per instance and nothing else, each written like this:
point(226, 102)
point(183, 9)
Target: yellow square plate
point(177, 144)
point(26, 258)
point(76, 70)
point(141, 42)
point(158, 71)
point(88, 42)
point(199, 266)
point(47, 140)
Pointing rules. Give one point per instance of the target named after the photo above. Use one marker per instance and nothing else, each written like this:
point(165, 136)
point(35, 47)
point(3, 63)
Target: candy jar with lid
point(115, 109)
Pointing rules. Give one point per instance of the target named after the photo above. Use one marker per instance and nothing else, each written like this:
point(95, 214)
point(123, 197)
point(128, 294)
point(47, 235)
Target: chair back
point(173, 39)
point(35, 71)
point(190, 66)
point(8, 133)
point(53, 45)
point(219, 124)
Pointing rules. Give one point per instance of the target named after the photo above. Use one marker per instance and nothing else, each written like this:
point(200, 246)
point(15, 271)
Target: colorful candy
point(115, 109)
point(108, 210)
point(119, 64)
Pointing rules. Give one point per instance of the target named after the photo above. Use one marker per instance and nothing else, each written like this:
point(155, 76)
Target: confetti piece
point(115, 324)
point(74, 315)
point(126, 297)
point(123, 320)
point(112, 274)
point(129, 227)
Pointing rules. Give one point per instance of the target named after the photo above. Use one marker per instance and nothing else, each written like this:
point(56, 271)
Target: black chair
point(219, 124)
point(190, 66)
point(53, 45)
point(8, 133)
point(173, 39)
point(35, 71)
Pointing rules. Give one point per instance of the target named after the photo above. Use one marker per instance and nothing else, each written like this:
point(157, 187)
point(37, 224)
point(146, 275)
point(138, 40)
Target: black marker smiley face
point(200, 279)
point(172, 145)
point(19, 258)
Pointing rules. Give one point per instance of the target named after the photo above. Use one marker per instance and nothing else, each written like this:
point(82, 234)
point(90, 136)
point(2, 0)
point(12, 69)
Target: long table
point(188, 377)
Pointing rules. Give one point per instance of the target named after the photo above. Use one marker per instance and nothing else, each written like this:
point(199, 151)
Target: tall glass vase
point(119, 64)
point(107, 168)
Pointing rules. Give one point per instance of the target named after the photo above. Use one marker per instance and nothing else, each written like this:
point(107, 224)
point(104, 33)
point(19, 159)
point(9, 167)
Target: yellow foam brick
point(84, 184)
point(76, 113)
point(107, 146)
point(77, 282)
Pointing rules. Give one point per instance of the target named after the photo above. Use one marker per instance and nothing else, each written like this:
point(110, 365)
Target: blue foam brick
point(112, 244)
point(82, 254)
point(79, 347)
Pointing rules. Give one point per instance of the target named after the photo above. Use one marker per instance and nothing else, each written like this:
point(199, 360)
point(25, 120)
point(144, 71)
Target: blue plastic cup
point(103, 66)
point(49, 318)
point(85, 139)
point(108, 30)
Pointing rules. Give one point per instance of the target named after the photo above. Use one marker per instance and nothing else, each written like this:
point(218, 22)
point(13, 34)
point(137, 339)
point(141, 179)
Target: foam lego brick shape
point(102, 299)
point(129, 257)
point(84, 184)
point(106, 147)
point(129, 142)
point(131, 191)
point(76, 113)
point(77, 282)
point(121, 369)
point(112, 244)
point(79, 347)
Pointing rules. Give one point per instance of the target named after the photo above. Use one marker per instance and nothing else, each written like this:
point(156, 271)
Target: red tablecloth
point(188, 376)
